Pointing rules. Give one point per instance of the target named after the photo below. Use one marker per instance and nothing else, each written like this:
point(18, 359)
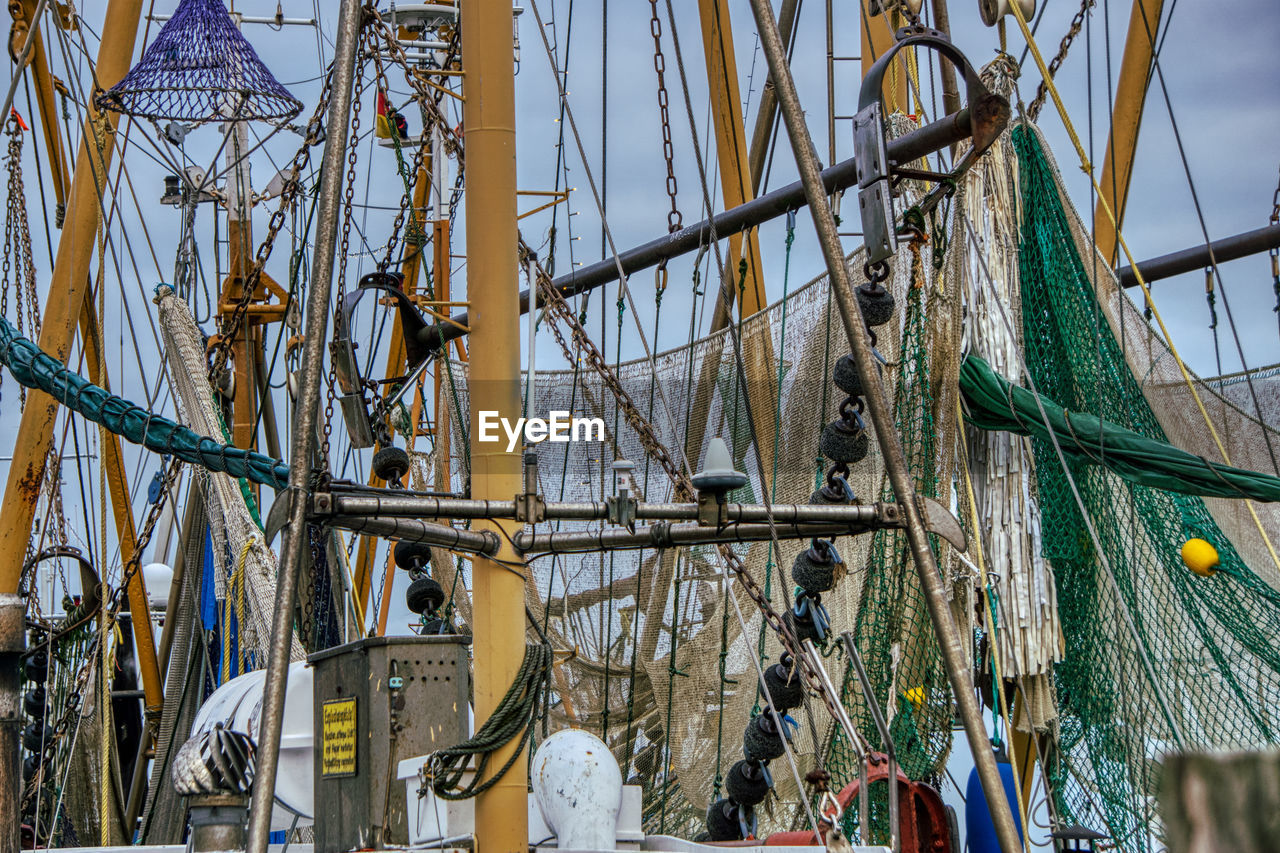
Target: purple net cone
point(200, 68)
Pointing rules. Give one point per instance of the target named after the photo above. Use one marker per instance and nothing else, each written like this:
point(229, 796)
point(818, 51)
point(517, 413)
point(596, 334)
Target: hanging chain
point(348, 199)
point(171, 469)
point(684, 491)
point(230, 326)
point(427, 95)
point(674, 218)
point(18, 272)
point(378, 32)
point(1042, 90)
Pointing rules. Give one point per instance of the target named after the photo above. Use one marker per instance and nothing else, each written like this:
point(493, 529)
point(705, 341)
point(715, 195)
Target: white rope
point(231, 526)
point(1001, 464)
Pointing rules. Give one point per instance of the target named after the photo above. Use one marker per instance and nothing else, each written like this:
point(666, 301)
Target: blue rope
point(34, 368)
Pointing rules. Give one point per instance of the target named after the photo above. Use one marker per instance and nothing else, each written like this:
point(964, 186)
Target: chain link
point(674, 219)
point(430, 100)
point(172, 468)
point(18, 274)
point(1042, 90)
point(558, 308)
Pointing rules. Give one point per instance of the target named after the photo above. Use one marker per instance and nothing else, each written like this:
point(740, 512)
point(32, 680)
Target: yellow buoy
point(1200, 557)
point(916, 697)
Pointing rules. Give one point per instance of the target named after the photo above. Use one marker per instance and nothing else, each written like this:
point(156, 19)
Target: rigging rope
point(514, 717)
point(993, 403)
point(35, 368)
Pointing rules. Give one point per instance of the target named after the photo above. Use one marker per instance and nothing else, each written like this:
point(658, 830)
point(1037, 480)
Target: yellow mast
point(736, 186)
point(493, 291)
point(1126, 118)
point(876, 36)
point(66, 308)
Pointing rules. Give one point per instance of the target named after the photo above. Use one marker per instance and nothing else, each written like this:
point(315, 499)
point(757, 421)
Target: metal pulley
point(993, 10)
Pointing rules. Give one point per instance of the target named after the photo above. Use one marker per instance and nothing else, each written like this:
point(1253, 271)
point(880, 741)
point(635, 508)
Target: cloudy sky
point(1217, 59)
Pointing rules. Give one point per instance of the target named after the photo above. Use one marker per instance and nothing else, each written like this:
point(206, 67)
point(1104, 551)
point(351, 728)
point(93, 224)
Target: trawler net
point(663, 668)
point(1157, 658)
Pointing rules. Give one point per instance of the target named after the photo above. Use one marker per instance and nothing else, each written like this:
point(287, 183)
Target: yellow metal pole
point(876, 32)
point(731, 148)
point(112, 457)
point(118, 486)
point(70, 284)
point(1126, 119)
point(493, 290)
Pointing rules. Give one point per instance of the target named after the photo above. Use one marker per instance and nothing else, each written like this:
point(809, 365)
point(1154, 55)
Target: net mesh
point(1210, 642)
point(244, 566)
point(200, 68)
point(663, 669)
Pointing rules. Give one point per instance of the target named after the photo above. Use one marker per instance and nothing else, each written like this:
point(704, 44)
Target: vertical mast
point(66, 302)
point(949, 639)
point(736, 185)
point(294, 546)
point(1126, 118)
point(493, 292)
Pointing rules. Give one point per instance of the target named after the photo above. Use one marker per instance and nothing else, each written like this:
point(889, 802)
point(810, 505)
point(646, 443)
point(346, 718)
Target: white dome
point(158, 577)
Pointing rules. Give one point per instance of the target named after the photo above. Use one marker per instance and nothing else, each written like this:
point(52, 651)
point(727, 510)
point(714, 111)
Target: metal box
point(377, 701)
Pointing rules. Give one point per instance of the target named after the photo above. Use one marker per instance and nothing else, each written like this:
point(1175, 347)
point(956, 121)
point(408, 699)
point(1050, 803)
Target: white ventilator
point(578, 787)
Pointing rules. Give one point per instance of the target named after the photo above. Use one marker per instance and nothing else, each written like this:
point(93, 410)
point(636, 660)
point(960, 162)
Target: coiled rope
point(514, 717)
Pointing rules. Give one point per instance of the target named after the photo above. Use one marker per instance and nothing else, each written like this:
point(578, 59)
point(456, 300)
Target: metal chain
point(427, 95)
point(17, 235)
point(348, 199)
point(115, 604)
point(674, 218)
point(1042, 90)
point(434, 118)
point(230, 327)
point(684, 491)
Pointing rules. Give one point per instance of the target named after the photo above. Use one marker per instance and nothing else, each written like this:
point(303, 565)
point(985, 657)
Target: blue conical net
point(200, 68)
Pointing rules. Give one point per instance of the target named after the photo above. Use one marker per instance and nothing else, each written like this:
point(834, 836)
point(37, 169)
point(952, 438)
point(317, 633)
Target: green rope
point(34, 368)
point(514, 717)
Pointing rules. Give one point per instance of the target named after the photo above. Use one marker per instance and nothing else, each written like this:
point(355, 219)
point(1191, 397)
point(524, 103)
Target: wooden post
point(1221, 802)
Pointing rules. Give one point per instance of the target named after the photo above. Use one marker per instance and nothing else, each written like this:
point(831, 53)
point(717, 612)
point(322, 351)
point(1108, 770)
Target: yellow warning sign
point(338, 738)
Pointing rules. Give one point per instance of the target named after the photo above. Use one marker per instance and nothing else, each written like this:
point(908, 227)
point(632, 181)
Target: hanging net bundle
point(199, 69)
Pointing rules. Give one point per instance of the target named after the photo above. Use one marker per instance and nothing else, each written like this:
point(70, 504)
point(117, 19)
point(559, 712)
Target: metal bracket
point(939, 520)
point(363, 429)
point(621, 510)
point(530, 508)
point(712, 510)
point(987, 115)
